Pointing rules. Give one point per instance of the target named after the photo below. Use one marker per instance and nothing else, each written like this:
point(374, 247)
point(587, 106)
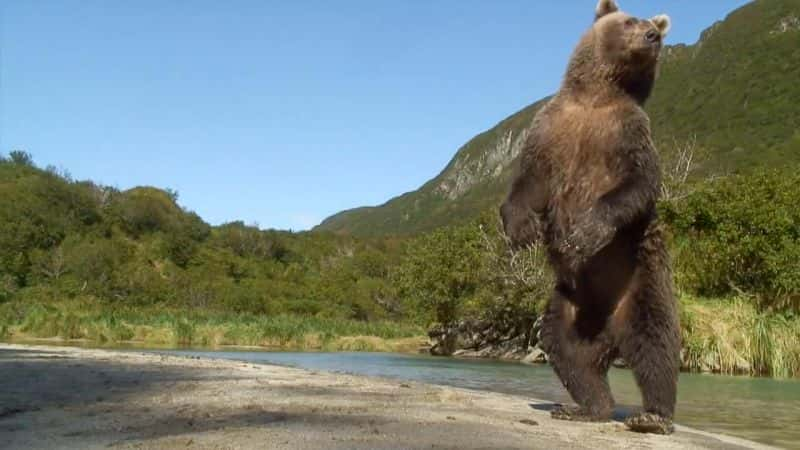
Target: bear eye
point(630, 22)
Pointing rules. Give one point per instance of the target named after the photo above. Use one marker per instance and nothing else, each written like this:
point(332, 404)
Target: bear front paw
point(588, 236)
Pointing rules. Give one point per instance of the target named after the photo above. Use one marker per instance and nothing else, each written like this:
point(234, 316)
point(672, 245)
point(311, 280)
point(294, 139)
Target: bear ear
point(663, 23)
point(605, 7)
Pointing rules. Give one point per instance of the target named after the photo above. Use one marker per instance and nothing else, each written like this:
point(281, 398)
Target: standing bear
point(587, 187)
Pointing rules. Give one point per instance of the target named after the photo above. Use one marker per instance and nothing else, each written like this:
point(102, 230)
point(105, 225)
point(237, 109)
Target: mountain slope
point(735, 91)
point(474, 178)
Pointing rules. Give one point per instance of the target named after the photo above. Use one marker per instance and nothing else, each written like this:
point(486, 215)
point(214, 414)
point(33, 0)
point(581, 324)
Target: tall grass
point(729, 336)
point(733, 337)
point(102, 324)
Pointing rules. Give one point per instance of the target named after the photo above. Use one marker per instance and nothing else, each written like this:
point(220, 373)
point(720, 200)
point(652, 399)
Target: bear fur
point(587, 187)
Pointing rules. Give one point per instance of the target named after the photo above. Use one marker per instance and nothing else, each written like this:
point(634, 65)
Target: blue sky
point(282, 112)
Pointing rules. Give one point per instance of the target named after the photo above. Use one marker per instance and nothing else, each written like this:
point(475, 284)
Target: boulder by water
point(518, 339)
point(509, 338)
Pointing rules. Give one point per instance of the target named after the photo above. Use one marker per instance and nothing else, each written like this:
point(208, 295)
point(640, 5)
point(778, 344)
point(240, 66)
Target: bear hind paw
point(577, 414)
point(650, 423)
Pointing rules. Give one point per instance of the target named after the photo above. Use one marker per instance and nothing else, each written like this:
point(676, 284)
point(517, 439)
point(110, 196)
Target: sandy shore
point(56, 397)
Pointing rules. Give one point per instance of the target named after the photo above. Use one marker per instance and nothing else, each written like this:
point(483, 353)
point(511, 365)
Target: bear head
point(619, 51)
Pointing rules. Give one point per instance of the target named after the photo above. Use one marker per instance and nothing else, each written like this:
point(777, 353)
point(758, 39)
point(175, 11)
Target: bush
point(20, 158)
point(517, 283)
point(183, 331)
point(41, 321)
point(93, 262)
point(741, 234)
point(248, 241)
point(8, 286)
point(37, 210)
point(62, 240)
point(145, 210)
point(441, 271)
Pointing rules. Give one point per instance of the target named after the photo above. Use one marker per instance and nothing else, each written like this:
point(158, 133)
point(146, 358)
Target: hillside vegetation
point(734, 94)
point(82, 261)
point(68, 247)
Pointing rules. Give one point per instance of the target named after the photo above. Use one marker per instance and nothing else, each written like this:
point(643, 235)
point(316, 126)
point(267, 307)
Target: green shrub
point(741, 234)
point(94, 261)
point(441, 272)
point(108, 327)
point(42, 321)
point(8, 286)
point(183, 330)
point(70, 327)
point(249, 241)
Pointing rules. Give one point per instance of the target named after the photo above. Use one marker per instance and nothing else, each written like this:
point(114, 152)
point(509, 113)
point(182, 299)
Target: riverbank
point(96, 323)
point(721, 336)
point(80, 398)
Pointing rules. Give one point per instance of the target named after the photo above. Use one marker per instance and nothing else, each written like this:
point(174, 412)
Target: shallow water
point(759, 409)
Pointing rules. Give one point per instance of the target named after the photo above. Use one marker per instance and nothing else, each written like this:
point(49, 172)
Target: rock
point(506, 336)
point(492, 336)
point(463, 340)
point(477, 339)
point(537, 356)
point(436, 331)
point(443, 345)
point(468, 354)
point(787, 24)
point(482, 325)
point(514, 355)
point(485, 352)
point(536, 331)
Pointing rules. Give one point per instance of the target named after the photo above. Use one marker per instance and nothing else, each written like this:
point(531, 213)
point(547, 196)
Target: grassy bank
point(731, 336)
point(727, 336)
point(103, 324)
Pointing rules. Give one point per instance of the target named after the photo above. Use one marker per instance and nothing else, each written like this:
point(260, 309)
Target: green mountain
point(735, 93)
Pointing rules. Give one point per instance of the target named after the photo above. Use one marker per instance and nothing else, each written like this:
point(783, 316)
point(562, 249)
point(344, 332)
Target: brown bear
point(587, 187)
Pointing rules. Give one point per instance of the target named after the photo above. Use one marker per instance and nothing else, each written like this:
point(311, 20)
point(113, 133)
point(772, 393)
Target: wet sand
point(57, 397)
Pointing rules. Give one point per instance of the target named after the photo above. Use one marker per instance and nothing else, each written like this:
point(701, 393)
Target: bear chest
point(585, 156)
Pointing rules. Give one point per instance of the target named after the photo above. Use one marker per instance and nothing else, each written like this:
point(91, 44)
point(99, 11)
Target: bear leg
point(581, 364)
point(651, 346)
